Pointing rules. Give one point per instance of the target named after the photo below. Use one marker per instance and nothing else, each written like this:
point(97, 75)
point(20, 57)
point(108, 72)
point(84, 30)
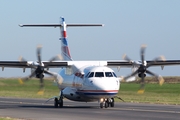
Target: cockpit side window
point(87, 74)
point(91, 74)
point(99, 74)
point(114, 74)
point(108, 74)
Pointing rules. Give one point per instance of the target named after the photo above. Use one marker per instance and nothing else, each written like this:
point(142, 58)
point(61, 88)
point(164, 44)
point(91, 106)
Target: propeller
point(39, 69)
point(142, 69)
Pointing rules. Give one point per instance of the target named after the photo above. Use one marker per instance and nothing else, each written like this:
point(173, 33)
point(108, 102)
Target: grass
point(8, 118)
point(169, 93)
point(12, 88)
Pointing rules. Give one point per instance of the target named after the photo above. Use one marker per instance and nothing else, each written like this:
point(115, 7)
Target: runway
point(34, 109)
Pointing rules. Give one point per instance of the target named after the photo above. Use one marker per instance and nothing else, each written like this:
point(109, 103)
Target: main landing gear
point(58, 102)
point(107, 103)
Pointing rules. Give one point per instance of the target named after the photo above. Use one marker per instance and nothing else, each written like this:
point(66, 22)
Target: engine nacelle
point(37, 74)
point(140, 75)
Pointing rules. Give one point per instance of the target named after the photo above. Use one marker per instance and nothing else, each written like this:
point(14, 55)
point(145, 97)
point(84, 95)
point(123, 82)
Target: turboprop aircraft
point(84, 81)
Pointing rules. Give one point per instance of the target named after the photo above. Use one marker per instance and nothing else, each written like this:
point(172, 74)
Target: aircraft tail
point(64, 44)
point(65, 52)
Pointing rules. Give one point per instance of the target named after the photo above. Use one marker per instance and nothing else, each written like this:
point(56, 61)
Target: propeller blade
point(125, 57)
point(49, 73)
point(151, 73)
point(160, 58)
point(39, 54)
point(156, 59)
point(22, 59)
point(142, 53)
point(159, 78)
point(21, 81)
point(141, 90)
point(58, 57)
point(41, 82)
point(132, 74)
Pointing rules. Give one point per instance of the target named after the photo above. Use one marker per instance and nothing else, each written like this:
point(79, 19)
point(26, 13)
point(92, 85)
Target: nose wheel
point(105, 103)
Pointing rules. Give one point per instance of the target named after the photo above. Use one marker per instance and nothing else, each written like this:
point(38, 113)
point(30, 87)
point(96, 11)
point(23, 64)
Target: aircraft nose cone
point(106, 84)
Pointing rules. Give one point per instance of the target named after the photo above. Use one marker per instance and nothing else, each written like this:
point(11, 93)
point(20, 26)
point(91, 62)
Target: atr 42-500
point(84, 81)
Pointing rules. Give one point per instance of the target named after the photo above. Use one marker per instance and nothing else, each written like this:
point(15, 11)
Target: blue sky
point(128, 25)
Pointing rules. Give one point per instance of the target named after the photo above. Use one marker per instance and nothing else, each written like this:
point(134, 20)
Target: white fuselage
point(88, 83)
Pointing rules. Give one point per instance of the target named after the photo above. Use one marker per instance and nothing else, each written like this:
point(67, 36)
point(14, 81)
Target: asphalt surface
point(34, 109)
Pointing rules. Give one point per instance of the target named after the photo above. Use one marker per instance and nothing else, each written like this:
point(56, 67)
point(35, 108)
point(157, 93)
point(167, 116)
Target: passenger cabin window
point(91, 75)
point(108, 74)
point(99, 74)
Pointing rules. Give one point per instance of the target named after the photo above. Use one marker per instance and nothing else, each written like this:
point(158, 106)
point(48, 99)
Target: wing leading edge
point(109, 63)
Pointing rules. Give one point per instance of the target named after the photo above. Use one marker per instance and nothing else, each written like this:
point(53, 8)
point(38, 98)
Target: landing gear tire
point(112, 102)
point(61, 103)
point(101, 105)
point(106, 105)
point(56, 102)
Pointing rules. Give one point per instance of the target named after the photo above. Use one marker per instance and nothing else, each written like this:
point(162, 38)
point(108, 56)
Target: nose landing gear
point(107, 102)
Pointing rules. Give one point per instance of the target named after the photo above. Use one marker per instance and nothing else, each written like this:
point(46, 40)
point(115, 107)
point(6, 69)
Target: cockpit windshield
point(114, 74)
point(91, 75)
point(108, 74)
point(99, 74)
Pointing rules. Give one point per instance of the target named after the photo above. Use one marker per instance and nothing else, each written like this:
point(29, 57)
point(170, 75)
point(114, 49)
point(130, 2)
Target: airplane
point(84, 81)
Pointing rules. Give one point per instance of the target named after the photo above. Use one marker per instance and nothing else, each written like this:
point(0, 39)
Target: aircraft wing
point(16, 64)
point(163, 63)
point(28, 64)
point(149, 63)
point(120, 63)
point(109, 63)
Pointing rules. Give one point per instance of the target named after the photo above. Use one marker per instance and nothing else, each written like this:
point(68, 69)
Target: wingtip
point(20, 25)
